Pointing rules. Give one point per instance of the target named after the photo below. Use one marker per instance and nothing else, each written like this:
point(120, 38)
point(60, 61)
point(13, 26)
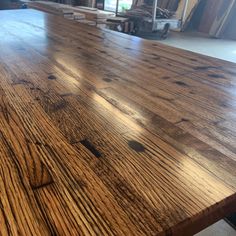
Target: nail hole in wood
point(91, 148)
point(184, 120)
point(165, 77)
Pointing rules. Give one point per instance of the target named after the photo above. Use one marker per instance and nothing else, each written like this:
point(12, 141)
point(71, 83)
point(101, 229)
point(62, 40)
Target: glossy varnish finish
point(107, 134)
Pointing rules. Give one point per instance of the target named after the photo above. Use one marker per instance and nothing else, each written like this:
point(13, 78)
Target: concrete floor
point(200, 43)
point(221, 228)
point(222, 49)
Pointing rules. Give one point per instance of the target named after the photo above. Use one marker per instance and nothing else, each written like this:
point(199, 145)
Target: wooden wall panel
point(228, 29)
point(209, 14)
point(192, 4)
point(223, 14)
point(217, 18)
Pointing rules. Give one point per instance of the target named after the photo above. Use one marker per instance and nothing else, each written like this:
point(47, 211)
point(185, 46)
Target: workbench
point(103, 133)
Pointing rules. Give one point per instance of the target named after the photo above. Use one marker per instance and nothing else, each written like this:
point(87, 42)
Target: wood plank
point(19, 212)
point(48, 146)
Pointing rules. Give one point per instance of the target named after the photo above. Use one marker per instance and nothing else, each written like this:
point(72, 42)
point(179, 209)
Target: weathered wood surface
point(107, 134)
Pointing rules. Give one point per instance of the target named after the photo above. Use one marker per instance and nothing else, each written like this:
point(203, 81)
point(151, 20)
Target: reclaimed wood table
point(103, 133)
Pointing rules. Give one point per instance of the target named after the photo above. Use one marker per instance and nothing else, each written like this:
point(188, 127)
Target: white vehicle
point(164, 25)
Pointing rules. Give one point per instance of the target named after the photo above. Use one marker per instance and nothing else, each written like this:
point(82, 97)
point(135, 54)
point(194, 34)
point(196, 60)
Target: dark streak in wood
point(42, 186)
point(181, 83)
point(205, 67)
point(215, 76)
point(52, 77)
point(136, 146)
point(90, 147)
point(107, 80)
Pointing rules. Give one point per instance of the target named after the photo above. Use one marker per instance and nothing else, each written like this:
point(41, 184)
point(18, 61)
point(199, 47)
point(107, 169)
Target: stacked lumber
point(117, 19)
point(87, 22)
point(229, 30)
point(120, 24)
point(93, 13)
point(191, 7)
point(217, 18)
point(7, 4)
point(171, 5)
point(50, 7)
point(146, 11)
point(78, 16)
point(85, 15)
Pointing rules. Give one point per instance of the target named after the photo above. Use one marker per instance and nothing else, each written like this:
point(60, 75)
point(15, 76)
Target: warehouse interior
point(205, 25)
point(117, 117)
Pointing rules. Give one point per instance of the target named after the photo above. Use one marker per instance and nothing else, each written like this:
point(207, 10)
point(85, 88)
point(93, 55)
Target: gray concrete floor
point(221, 228)
point(200, 43)
point(219, 48)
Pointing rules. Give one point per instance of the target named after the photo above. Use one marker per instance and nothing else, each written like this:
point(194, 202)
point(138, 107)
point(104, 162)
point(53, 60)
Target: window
point(110, 5)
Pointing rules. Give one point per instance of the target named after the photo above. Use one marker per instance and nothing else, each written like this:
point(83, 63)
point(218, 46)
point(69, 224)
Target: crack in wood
point(90, 147)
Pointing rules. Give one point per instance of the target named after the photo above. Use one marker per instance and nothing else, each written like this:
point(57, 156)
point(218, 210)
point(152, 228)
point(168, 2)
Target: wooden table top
point(103, 133)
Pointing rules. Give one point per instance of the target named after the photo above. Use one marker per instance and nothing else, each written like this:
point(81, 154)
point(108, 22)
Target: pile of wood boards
point(86, 15)
point(176, 6)
point(191, 7)
point(8, 4)
point(171, 5)
point(216, 18)
point(50, 7)
point(120, 24)
point(146, 11)
point(93, 13)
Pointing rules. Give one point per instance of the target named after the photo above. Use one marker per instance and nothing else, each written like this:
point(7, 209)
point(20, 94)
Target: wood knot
point(180, 83)
point(217, 76)
point(136, 146)
point(107, 80)
point(52, 77)
point(165, 77)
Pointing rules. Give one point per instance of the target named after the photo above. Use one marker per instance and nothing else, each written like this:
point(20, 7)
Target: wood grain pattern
point(107, 134)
